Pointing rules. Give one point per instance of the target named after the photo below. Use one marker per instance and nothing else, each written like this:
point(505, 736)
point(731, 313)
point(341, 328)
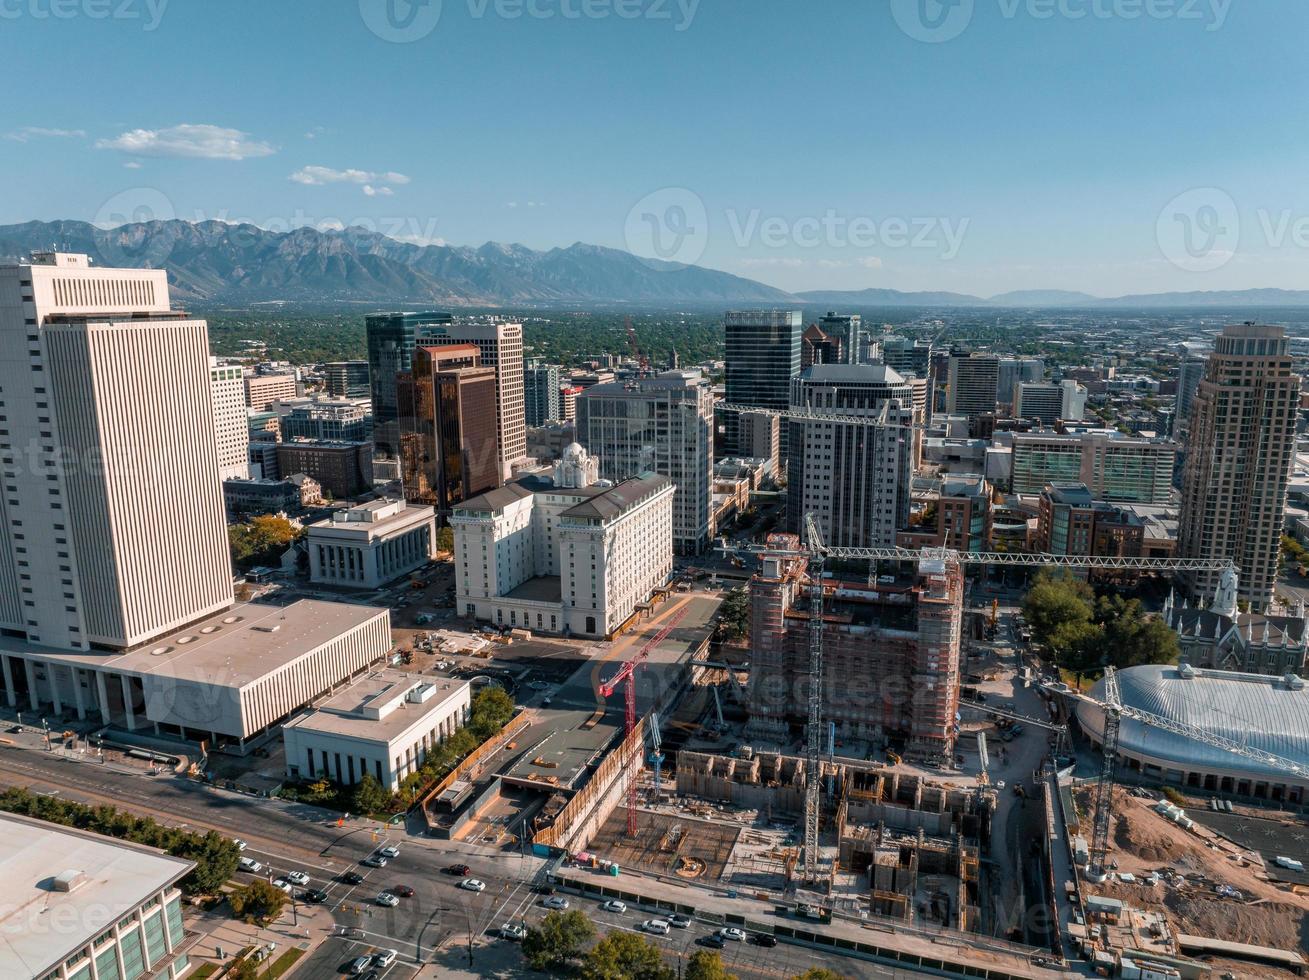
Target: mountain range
point(213, 262)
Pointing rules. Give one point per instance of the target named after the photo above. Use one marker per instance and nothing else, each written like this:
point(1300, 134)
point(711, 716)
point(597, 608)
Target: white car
point(733, 934)
point(375, 861)
point(556, 902)
point(283, 884)
point(390, 851)
point(251, 865)
point(512, 930)
point(657, 927)
point(384, 958)
point(613, 905)
point(297, 878)
point(388, 900)
point(240, 844)
point(473, 885)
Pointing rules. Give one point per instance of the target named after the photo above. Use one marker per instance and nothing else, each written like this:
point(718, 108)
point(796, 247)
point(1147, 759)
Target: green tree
point(262, 540)
point(242, 969)
point(1060, 610)
point(1130, 638)
point(489, 712)
point(558, 940)
point(706, 964)
point(258, 902)
point(445, 539)
point(370, 796)
point(818, 973)
point(625, 956)
point(734, 615)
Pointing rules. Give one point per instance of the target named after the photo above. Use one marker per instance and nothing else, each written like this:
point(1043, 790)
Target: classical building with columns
point(383, 725)
point(372, 544)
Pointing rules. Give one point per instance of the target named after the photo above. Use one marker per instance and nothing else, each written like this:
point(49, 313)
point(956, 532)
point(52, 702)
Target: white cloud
point(512, 204)
point(318, 176)
point(316, 132)
point(869, 262)
point(189, 140)
point(132, 165)
point(38, 132)
point(372, 191)
point(781, 262)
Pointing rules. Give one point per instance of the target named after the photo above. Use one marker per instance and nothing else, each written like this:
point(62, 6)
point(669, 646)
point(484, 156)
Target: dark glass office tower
point(763, 355)
point(391, 339)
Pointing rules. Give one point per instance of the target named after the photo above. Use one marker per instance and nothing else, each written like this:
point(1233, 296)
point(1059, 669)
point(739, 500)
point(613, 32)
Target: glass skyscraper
point(391, 339)
point(763, 355)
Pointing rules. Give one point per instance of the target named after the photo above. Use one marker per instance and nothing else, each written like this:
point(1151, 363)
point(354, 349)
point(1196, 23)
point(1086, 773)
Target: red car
point(404, 891)
point(462, 870)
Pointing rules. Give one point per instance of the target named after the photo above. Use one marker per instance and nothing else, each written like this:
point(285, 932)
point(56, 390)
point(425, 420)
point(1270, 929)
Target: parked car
point(732, 933)
point(404, 891)
point(375, 861)
point(313, 896)
point(384, 958)
point(613, 905)
point(388, 900)
point(359, 964)
point(251, 865)
point(390, 851)
point(679, 921)
point(458, 869)
point(657, 927)
point(473, 885)
point(713, 941)
point(297, 878)
point(512, 930)
point(283, 884)
point(240, 844)
point(765, 939)
point(351, 877)
point(556, 902)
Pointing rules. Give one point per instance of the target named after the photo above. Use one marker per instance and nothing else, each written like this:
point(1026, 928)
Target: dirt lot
point(1144, 841)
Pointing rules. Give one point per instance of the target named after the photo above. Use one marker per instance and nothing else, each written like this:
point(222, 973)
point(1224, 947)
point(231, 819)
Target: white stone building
point(231, 424)
point(372, 544)
point(566, 555)
point(383, 724)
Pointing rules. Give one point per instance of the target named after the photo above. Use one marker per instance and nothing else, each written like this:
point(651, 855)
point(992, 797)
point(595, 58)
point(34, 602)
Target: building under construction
point(890, 652)
point(908, 848)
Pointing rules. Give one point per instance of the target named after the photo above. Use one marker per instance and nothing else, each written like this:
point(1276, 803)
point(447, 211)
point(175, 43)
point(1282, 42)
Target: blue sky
point(1111, 146)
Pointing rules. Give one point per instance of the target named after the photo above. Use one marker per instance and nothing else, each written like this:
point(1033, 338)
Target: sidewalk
point(313, 924)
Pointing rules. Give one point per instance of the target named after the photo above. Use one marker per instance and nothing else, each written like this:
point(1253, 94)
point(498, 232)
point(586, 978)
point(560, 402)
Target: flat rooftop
point(41, 926)
point(240, 645)
point(345, 713)
point(543, 588)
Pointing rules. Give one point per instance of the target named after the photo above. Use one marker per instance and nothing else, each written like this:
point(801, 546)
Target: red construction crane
point(627, 672)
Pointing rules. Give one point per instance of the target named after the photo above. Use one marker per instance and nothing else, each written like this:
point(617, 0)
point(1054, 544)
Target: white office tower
point(501, 347)
point(658, 425)
point(854, 478)
point(231, 424)
point(1073, 401)
point(105, 539)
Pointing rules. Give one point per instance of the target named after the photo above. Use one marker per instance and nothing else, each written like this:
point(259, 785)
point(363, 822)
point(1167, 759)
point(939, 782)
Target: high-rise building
point(391, 340)
point(1038, 400)
point(1073, 401)
point(344, 470)
point(763, 355)
point(541, 394)
point(337, 419)
point(448, 426)
point(855, 479)
point(1239, 452)
point(231, 428)
point(1014, 371)
point(819, 347)
point(261, 390)
point(908, 358)
point(1189, 373)
point(972, 386)
point(104, 539)
point(568, 402)
point(1113, 467)
point(658, 425)
point(500, 344)
point(347, 379)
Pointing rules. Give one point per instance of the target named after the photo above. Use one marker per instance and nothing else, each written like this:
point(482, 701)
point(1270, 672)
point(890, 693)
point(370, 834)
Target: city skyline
point(660, 134)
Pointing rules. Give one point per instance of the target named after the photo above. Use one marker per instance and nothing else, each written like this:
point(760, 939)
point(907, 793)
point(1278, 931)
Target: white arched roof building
point(1268, 713)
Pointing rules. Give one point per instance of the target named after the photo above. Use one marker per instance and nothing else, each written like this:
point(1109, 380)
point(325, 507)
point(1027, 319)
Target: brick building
point(891, 654)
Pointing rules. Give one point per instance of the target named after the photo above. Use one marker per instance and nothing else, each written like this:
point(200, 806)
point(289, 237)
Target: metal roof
point(1260, 711)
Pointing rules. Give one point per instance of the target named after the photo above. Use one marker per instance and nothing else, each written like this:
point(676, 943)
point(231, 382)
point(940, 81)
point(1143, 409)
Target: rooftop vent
point(66, 881)
point(1294, 683)
point(267, 629)
point(1186, 672)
